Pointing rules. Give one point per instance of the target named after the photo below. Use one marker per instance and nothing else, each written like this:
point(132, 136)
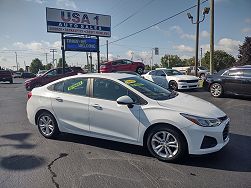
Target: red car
point(122, 65)
point(50, 76)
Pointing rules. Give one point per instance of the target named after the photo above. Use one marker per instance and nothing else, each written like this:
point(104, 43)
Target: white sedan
point(129, 109)
point(173, 79)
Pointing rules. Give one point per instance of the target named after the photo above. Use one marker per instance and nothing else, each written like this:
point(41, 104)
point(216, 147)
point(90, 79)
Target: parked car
point(122, 65)
point(51, 75)
point(129, 72)
point(6, 76)
point(172, 79)
point(236, 81)
point(17, 75)
point(169, 124)
point(41, 72)
point(202, 71)
point(27, 75)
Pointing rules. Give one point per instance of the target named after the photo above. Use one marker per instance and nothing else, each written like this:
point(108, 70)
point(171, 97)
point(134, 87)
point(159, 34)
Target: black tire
point(178, 153)
point(49, 130)
point(173, 85)
point(216, 90)
point(11, 81)
point(140, 70)
point(202, 75)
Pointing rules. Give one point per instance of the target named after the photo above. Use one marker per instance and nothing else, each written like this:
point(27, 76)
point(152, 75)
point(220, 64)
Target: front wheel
point(166, 144)
point(47, 125)
point(216, 90)
point(173, 85)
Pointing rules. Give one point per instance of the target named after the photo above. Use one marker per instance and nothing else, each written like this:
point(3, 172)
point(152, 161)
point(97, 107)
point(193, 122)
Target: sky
point(23, 29)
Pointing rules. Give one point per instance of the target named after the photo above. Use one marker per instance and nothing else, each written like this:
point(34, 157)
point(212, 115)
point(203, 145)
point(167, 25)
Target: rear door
point(70, 102)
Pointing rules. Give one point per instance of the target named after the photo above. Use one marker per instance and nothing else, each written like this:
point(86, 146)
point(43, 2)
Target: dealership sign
point(73, 22)
point(81, 44)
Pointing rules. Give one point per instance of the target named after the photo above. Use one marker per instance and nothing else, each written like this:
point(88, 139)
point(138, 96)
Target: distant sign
point(69, 21)
point(81, 44)
point(156, 50)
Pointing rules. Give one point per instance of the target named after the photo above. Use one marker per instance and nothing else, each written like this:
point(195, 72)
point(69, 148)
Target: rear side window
point(237, 72)
point(152, 73)
point(247, 73)
point(76, 86)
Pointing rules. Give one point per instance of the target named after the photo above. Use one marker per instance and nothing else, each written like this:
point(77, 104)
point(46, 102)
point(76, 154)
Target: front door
point(107, 117)
point(233, 81)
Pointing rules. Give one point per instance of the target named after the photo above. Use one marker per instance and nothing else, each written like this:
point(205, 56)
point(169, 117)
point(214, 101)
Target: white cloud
point(37, 1)
point(66, 4)
point(188, 36)
point(226, 44)
point(246, 30)
point(177, 29)
point(248, 20)
point(204, 34)
point(37, 46)
point(183, 48)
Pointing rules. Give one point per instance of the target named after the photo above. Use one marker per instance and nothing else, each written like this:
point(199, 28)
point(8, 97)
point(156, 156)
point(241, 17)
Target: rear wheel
point(173, 85)
point(47, 125)
point(166, 144)
point(140, 70)
point(11, 81)
point(216, 90)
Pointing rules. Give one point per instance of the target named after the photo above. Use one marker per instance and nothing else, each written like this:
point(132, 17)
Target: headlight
point(201, 121)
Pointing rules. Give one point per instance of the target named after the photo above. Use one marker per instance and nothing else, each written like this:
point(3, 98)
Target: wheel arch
point(151, 127)
point(39, 112)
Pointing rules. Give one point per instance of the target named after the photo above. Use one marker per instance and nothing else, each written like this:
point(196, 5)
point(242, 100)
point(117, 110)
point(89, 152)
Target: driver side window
point(52, 73)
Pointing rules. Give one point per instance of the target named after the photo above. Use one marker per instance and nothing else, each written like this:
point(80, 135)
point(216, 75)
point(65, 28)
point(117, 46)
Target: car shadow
point(7, 83)
point(234, 157)
point(106, 144)
point(240, 97)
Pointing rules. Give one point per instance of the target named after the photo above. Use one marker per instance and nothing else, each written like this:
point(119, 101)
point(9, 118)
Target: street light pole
point(198, 21)
point(212, 37)
point(197, 38)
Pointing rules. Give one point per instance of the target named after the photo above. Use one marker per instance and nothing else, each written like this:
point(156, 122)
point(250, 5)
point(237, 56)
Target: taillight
point(29, 95)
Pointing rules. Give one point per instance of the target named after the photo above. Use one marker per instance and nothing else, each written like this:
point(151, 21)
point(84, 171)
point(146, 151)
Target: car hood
point(184, 77)
point(188, 104)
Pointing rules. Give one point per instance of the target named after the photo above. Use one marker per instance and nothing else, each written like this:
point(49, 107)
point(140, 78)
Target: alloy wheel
point(164, 144)
point(216, 90)
point(46, 125)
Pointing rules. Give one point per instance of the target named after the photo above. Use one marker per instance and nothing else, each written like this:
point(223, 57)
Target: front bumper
point(185, 85)
point(196, 136)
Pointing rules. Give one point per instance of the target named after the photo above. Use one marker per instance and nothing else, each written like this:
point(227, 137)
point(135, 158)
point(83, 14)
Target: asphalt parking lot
point(29, 160)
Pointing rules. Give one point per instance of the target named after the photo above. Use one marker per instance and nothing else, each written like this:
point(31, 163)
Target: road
point(29, 160)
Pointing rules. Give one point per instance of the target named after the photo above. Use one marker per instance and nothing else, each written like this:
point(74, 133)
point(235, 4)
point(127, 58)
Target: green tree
point(189, 62)
point(222, 60)
point(245, 52)
point(21, 70)
point(36, 65)
point(169, 61)
point(60, 63)
point(48, 66)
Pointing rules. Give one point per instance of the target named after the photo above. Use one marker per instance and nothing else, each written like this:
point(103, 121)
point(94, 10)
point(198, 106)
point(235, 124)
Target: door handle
point(97, 106)
point(59, 99)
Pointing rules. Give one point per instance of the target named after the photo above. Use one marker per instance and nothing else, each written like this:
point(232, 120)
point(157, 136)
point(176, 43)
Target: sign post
point(80, 23)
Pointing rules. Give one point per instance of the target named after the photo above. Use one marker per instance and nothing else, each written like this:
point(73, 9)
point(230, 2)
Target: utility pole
point(91, 60)
point(212, 37)
point(200, 56)
point(46, 58)
point(53, 51)
point(16, 61)
point(87, 57)
point(107, 50)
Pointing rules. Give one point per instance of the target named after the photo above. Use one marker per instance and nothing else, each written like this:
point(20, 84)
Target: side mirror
point(125, 100)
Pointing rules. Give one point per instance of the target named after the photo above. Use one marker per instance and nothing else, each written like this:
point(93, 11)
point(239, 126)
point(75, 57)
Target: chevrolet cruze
point(129, 109)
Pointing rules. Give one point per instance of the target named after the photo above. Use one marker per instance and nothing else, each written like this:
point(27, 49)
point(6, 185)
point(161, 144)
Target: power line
point(135, 13)
point(146, 28)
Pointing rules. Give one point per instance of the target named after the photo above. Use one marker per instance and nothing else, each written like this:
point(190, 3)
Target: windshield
point(147, 88)
point(172, 72)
